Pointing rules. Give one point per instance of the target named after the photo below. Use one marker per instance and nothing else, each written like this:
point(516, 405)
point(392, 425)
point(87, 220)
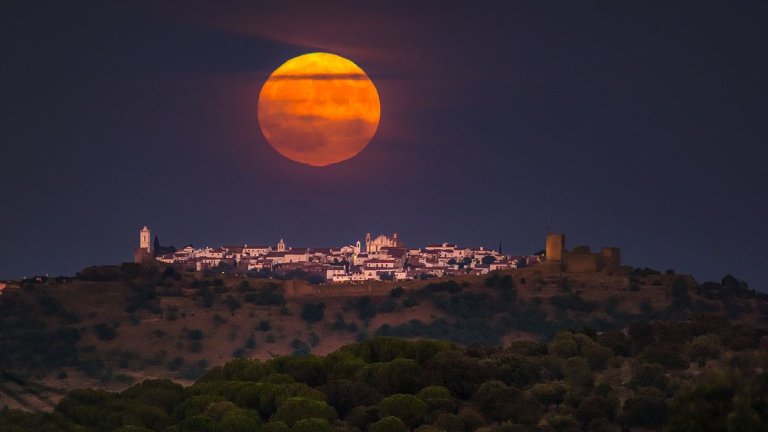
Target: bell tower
point(143, 253)
point(144, 235)
point(281, 246)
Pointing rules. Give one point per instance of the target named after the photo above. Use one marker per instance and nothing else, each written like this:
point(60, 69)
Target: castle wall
point(582, 262)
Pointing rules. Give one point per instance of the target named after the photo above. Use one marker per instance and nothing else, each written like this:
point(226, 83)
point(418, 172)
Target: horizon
point(405, 245)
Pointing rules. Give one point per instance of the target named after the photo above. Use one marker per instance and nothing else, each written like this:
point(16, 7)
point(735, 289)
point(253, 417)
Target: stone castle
point(580, 259)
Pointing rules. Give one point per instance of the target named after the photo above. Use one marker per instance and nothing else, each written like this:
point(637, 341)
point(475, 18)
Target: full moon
point(319, 109)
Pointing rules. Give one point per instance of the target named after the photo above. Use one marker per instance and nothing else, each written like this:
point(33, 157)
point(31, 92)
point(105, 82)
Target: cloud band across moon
point(320, 76)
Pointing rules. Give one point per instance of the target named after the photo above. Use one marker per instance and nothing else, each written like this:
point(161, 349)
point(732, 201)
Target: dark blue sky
point(637, 124)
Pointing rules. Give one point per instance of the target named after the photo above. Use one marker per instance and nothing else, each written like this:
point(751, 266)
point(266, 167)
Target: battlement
point(580, 259)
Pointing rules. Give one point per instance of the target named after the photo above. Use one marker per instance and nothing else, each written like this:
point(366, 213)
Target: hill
point(112, 326)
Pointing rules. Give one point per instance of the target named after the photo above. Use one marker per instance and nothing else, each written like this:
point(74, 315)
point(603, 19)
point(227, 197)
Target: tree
point(239, 421)
point(668, 355)
point(564, 345)
point(704, 347)
point(488, 259)
point(400, 375)
point(647, 408)
point(596, 407)
point(577, 372)
point(547, 394)
point(407, 408)
point(500, 402)
point(275, 426)
point(313, 312)
point(312, 425)
point(649, 375)
point(298, 408)
point(597, 356)
point(388, 424)
point(345, 395)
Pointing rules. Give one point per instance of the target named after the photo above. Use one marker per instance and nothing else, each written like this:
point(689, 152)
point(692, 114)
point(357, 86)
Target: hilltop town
point(382, 258)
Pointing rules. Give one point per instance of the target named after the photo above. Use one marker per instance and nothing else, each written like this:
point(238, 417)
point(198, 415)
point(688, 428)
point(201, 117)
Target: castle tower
point(394, 237)
point(555, 247)
point(144, 235)
point(611, 257)
point(281, 246)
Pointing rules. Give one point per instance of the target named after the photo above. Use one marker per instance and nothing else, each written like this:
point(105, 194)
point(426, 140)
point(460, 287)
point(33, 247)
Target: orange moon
point(319, 109)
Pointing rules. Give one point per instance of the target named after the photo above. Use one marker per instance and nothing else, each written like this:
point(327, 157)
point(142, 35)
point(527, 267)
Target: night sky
point(636, 124)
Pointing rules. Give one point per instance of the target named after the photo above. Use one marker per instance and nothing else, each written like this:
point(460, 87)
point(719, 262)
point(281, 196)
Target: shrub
point(270, 294)
point(314, 339)
point(232, 303)
point(300, 348)
point(365, 308)
point(250, 343)
point(195, 347)
point(104, 332)
point(313, 312)
point(176, 363)
point(264, 326)
point(388, 306)
point(410, 302)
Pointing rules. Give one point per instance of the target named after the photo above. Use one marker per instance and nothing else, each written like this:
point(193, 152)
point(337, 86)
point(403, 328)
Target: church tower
point(368, 243)
point(281, 246)
point(144, 235)
point(357, 247)
point(143, 253)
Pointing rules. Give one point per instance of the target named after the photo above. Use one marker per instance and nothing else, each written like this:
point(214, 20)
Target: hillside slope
point(112, 326)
